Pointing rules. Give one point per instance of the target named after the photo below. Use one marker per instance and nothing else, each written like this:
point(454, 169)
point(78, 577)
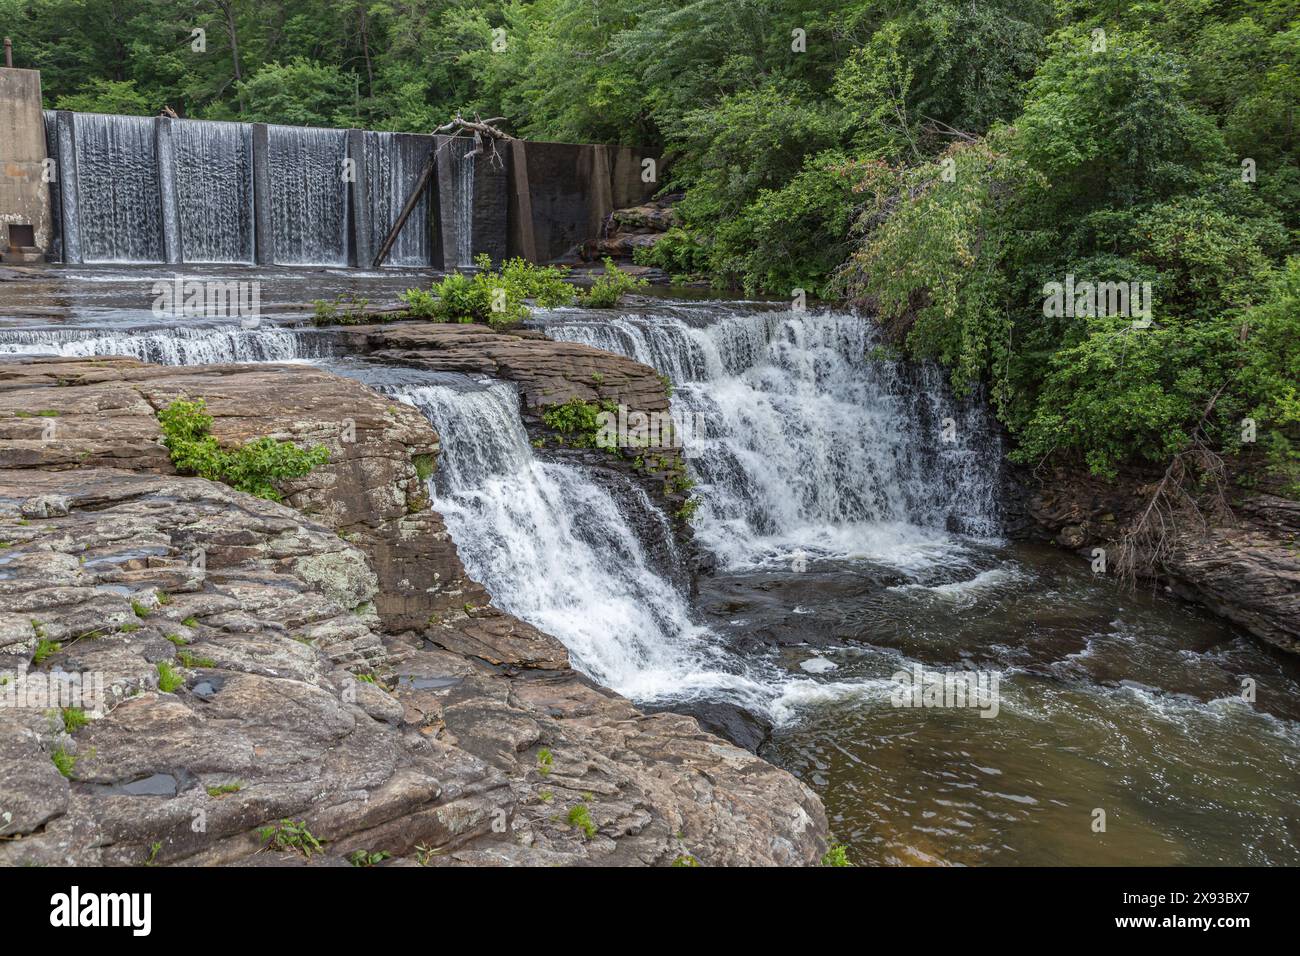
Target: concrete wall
point(24, 192)
point(560, 193)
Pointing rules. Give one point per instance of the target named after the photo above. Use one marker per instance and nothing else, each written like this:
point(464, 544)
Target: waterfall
point(182, 345)
point(801, 438)
point(309, 195)
point(553, 547)
point(214, 186)
point(456, 201)
point(120, 215)
point(393, 165)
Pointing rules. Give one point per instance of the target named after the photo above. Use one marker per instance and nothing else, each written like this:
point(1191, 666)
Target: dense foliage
point(945, 163)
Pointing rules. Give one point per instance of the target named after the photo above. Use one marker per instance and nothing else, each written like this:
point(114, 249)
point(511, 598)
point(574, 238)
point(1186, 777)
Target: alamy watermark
point(54, 689)
point(1087, 298)
point(948, 689)
point(634, 429)
point(208, 298)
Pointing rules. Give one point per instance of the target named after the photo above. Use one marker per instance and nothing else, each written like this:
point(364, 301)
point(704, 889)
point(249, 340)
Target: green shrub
point(579, 422)
point(420, 303)
point(252, 467)
point(606, 291)
point(836, 856)
point(497, 298)
point(679, 252)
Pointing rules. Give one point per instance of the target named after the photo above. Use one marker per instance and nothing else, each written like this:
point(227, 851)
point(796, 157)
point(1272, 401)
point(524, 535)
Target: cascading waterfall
point(214, 187)
point(456, 201)
point(393, 165)
point(182, 345)
point(120, 215)
point(800, 438)
point(309, 198)
point(553, 547)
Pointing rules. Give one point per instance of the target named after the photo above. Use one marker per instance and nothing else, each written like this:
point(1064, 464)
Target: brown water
point(1128, 703)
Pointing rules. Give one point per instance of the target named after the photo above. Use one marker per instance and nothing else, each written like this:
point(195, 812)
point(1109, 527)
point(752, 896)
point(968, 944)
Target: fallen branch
point(483, 132)
point(1173, 505)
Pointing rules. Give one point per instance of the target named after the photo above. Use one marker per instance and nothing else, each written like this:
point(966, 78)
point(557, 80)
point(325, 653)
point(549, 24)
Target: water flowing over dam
point(162, 190)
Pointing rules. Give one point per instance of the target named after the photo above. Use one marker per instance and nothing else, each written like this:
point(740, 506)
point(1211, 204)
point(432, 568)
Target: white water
point(796, 415)
point(180, 345)
point(309, 195)
point(120, 214)
point(805, 442)
point(394, 162)
point(214, 190)
point(457, 204)
point(553, 547)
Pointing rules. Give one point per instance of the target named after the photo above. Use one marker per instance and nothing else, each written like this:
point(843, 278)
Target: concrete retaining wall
point(24, 175)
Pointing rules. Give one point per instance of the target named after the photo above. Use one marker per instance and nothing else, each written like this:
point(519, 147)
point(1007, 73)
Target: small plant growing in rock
point(189, 660)
point(366, 858)
point(223, 789)
point(252, 467)
point(423, 466)
point(290, 835)
point(609, 288)
point(346, 309)
point(580, 817)
point(168, 679)
point(139, 609)
point(686, 860)
point(64, 762)
point(837, 855)
point(190, 622)
point(44, 648)
point(74, 718)
point(177, 639)
point(154, 850)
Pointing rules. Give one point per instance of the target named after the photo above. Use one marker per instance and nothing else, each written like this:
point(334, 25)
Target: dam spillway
point(162, 190)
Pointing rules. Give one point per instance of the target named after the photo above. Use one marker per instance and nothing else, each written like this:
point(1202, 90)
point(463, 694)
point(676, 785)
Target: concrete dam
point(98, 188)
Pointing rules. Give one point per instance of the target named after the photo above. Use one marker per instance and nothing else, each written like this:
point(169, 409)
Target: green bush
point(579, 422)
point(252, 467)
point(497, 298)
point(609, 288)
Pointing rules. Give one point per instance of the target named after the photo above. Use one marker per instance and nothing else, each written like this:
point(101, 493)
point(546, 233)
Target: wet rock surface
point(324, 661)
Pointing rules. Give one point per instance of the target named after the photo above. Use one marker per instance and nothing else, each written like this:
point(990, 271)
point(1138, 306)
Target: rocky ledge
point(238, 662)
point(1247, 571)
